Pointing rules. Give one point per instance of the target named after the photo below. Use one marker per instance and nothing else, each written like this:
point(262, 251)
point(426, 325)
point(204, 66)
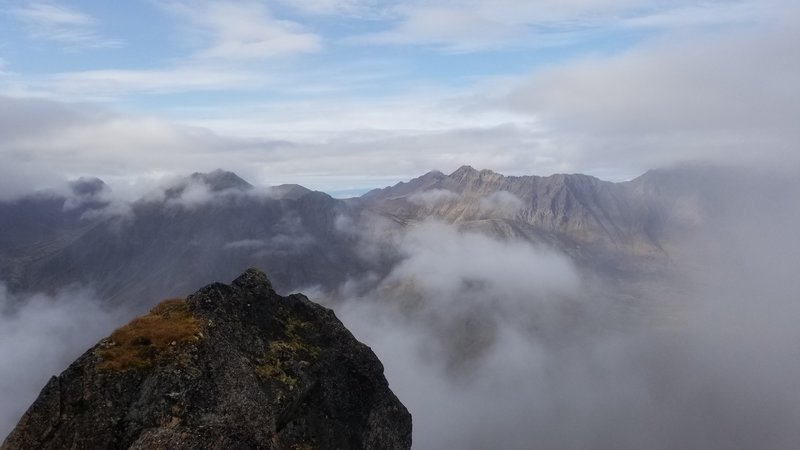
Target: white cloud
point(247, 244)
point(457, 29)
point(109, 83)
point(502, 203)
point(347, 8)
point(432, 197)
point(702, 14)
point(720, 95)
point(729, 95)
point(45, 142)
point(66, 26)
point(454, 267)
point(241, 30)
point(479, 25)
point(39, 336)
point(275, 243)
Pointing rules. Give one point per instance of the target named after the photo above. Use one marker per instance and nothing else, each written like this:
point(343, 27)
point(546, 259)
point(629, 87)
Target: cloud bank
point(712, 82)
point(496, 344)
point(39, 336)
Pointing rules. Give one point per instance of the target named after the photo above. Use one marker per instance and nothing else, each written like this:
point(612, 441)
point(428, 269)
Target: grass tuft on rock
point(138, 344)
point(284, 358)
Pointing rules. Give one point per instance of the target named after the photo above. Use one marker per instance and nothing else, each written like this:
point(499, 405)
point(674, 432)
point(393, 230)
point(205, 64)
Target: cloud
point(480, 25)
point(242, 30)
point(364, 9)
point(247, 243)
point(226, 42)
point(702, 15)
point(462, 284)
point(451, 266)
point(503, 203)
point(191, 196)
point(494, 344)
point(693, 90)
point(288, 235)
point(432, 197)
point(44, 143)
point(456, 29)
point(277, 243)
point(39, 336)
point(112, 83)
point(66, 26)
point(721, 96)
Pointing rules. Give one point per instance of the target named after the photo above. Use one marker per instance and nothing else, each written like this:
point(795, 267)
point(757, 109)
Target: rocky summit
point(230, 367)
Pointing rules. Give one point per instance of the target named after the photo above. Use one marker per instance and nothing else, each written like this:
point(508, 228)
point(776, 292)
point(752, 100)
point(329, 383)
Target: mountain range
point(214, 225)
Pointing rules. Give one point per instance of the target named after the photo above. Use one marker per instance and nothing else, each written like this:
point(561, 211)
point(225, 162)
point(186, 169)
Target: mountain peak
point(469, 172)
point(254, 280)
point(464, 171)
point(403, 188)
point(220, 180)
point(289, 191)
point(88, 187)
point(232, 366)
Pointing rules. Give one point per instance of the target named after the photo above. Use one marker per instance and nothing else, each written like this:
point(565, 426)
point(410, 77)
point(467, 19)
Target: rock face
point(231, 367)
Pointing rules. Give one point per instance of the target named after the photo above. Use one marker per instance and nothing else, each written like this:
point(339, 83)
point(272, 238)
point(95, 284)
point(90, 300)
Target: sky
point(343, 96)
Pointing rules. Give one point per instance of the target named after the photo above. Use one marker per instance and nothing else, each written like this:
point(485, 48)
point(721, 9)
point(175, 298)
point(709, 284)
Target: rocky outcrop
point(231, 367)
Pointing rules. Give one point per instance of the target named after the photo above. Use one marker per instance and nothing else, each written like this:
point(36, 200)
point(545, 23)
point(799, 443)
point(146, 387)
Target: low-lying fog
point(504, 345)
point(39, 336)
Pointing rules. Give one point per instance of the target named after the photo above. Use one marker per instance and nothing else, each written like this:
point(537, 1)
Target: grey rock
point(246, 369)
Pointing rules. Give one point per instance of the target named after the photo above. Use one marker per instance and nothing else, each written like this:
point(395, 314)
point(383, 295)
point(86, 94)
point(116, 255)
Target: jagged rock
point(231, 367)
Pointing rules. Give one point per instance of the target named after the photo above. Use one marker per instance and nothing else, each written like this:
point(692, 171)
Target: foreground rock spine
point(234, 366)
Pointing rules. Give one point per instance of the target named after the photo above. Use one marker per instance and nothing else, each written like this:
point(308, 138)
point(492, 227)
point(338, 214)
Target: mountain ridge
point(304, 238)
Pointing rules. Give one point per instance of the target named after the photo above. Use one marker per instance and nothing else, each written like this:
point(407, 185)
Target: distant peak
point(289, 191)
point(464, 171)
point(253, 280)
point(469, 172)
point(220, 180)
point(88, 187)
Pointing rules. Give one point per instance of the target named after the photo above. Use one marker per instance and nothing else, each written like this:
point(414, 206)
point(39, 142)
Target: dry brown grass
point(139, 343)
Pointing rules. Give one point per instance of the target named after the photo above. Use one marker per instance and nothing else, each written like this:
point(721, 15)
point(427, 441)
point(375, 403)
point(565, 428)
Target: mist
point(501, 344)
point(40, 335)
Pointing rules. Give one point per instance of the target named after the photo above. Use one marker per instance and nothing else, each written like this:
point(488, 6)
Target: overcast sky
point(352, 94)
